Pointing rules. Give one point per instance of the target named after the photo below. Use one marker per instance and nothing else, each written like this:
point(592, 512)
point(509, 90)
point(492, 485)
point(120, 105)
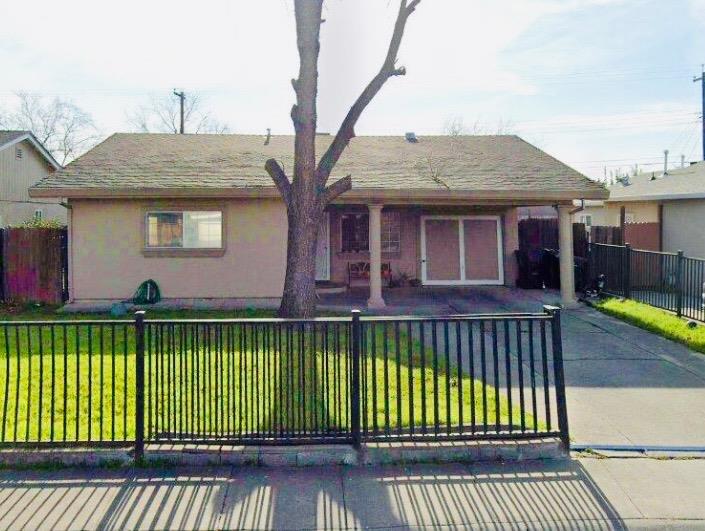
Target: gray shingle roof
point(434, 163)
point(681, 183)
point(9, 136)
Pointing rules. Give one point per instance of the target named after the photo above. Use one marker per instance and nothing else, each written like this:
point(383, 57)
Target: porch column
point(375, 241)
point(565, 239)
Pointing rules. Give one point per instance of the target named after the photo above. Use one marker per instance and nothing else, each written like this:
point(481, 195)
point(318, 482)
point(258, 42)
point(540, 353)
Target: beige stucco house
point(23, 162)
point(199, 214)
point(676, 200)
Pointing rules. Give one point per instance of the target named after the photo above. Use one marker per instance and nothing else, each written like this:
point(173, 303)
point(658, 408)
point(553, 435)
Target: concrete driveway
point(625, 386)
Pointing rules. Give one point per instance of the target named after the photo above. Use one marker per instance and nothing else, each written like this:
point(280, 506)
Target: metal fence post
point(679, 284)
point(627, 273)
point(139, 385)
point(558, 374)
point(355, 384)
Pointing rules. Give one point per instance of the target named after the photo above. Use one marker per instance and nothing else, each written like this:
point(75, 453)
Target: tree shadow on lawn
point(248, 379)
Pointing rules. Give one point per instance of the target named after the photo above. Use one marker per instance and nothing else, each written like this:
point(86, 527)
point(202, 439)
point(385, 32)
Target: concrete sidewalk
point(563, 494)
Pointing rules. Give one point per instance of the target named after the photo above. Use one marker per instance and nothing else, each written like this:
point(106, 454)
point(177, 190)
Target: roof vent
point(411, 137)
point(269, 136)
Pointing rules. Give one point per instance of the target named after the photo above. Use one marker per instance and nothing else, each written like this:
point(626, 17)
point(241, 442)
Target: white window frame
point(183, 211)
point(464, 281)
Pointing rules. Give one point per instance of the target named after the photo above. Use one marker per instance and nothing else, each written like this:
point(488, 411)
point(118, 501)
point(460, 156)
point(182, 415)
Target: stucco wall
point(682, 227)
point(108, 263)
point(643, 212)
point(597, 213)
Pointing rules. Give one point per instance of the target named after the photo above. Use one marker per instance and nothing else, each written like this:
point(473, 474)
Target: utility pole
point(182, 97)
point(702, 82)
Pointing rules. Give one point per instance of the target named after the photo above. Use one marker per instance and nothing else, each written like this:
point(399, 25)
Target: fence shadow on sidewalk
point(531, 494)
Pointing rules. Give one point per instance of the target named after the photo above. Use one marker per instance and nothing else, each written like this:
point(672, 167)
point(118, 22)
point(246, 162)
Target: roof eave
point(369, 194)
point(657, 197)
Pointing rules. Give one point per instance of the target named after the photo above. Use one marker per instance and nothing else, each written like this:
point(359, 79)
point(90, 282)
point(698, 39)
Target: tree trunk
point(299, 298)
point(308, 193)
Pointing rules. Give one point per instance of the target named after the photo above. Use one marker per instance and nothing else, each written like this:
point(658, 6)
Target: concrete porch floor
point(442, 301)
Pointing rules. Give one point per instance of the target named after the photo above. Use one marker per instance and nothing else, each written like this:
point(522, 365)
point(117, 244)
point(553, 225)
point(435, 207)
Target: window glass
point(355, 231)
point(185, 230)
point(203, 230)
point(391, 232)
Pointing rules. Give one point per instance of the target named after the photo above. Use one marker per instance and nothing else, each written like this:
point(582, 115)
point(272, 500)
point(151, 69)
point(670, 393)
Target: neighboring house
point(199, 214)
point(676, 200)
point(23, 162)
point(590, 213)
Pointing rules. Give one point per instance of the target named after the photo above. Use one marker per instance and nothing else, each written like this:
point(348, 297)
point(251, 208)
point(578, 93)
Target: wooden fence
point(539, 234)
point(645, 236)
point(34, 265)
point(606, 235)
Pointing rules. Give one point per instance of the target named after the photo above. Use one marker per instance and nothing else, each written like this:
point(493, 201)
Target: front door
point(323, 249)
point(461, 250)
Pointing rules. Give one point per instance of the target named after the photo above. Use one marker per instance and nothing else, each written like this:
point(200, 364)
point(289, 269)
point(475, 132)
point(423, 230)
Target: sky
point(599, 84)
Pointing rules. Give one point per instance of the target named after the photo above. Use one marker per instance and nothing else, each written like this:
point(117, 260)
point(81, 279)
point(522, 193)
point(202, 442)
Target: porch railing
point(272, 381)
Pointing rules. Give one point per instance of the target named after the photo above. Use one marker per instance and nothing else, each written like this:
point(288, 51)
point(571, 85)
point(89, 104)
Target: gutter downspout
point(578, 209)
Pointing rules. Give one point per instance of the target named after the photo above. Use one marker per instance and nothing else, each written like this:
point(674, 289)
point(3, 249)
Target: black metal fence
point(273, 381)
point(670, 281)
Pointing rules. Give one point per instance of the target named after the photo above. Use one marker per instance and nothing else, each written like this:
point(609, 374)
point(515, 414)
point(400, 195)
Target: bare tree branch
point(336, 189)
point(276, 172)
point(389, 69)
point(62, 127)
point(162, 115)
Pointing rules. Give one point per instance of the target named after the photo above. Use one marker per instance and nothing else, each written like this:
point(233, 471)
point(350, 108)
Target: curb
point(371, 454)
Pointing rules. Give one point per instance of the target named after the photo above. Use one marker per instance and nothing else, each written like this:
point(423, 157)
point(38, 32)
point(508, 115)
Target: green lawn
point(217, 380)
point(655, 320)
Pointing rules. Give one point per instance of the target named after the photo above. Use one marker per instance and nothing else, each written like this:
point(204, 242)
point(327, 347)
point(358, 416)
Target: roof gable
point(11, 138)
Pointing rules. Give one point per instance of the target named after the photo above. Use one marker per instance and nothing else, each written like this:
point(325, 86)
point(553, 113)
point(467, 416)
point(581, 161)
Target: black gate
point(248, 381)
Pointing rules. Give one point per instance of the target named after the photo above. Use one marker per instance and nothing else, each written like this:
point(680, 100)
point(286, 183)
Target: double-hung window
point(355, 231)
point(391, 232)
point(186, 229)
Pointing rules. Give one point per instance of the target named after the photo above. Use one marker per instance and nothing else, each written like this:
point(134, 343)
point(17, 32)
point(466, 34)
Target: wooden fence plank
point(33, 265)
